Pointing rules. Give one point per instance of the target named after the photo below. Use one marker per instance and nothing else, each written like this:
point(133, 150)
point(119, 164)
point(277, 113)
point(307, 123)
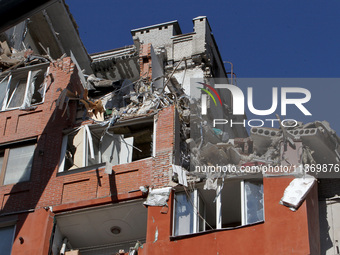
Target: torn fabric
point(182, 176)
point(210, 184)
point(158, 197)
point(297, 191)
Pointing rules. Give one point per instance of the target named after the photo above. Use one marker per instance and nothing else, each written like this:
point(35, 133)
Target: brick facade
point(72, 190)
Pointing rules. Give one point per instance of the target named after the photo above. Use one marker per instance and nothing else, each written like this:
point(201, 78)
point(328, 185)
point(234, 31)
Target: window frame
point(85, 145)
point(29, 79)
point(6, 153)
point(219, 216)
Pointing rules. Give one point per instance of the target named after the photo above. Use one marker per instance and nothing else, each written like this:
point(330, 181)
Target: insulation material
point(182, 176)
point(95, 109)
point(297, 191)
point(158, 197)
point(210, 184)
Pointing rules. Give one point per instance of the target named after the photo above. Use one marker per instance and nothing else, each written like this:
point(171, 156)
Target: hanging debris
point(297, 191)
point(158, 197)
point(11, 59)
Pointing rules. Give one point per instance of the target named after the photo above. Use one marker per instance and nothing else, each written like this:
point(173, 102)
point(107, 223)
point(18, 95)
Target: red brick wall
point(94, 184)
point(145, 61)
point(46, 124)
point(68, 191)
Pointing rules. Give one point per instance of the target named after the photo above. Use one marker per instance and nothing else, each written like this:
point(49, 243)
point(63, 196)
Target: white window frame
point(87, 137)
point(29, 80)
point(218, 209)
point(85, 145)
point(196, 217)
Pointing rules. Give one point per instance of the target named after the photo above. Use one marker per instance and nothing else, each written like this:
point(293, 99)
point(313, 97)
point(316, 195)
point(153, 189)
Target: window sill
point(175, 238)
point(23, 109)
point(82, 169)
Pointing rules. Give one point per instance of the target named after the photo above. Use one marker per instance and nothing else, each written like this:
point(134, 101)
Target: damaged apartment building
point(98, 156)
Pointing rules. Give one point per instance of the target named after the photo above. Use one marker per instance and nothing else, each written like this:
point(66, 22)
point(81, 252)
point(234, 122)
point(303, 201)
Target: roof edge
point(174, 22)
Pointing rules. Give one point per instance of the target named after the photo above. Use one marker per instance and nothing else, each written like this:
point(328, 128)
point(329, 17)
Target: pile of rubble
point(11, 58)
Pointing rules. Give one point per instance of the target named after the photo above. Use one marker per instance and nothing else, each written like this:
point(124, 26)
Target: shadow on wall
point(38, 186)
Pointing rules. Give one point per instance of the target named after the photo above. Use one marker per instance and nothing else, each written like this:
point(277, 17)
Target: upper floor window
point(91, 145)
point(236, 203)
point(22, 88)
point(16, 163)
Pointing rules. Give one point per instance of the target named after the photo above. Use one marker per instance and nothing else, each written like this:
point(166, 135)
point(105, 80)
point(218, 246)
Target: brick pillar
point(145, 61)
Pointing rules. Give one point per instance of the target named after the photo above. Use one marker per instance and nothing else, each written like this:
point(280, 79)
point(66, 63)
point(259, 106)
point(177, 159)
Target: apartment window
point(22, 89)
point(6, 237)
point(236, 203)
point(16, 163)
point(91, 145)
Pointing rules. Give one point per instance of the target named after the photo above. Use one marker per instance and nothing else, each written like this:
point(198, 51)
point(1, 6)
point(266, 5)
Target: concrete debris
point(98, 82)
point(297, 191)
point(312, 143)
point(11, 59)
point(320, 144)
point(131, 99)
point(158, 197)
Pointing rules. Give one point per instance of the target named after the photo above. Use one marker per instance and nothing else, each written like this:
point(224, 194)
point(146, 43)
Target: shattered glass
point(254, 202)
point(184, 214)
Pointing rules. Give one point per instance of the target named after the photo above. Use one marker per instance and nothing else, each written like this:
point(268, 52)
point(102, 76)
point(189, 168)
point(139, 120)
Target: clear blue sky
point(263, 38)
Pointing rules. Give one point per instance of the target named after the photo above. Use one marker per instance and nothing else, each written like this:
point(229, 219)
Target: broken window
point(91, 145)
point(21, 89)
point(6, 237)
point(3, 88)
point(16, 163)
point(186, 220)
point(253, 192)
point(233, 204)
